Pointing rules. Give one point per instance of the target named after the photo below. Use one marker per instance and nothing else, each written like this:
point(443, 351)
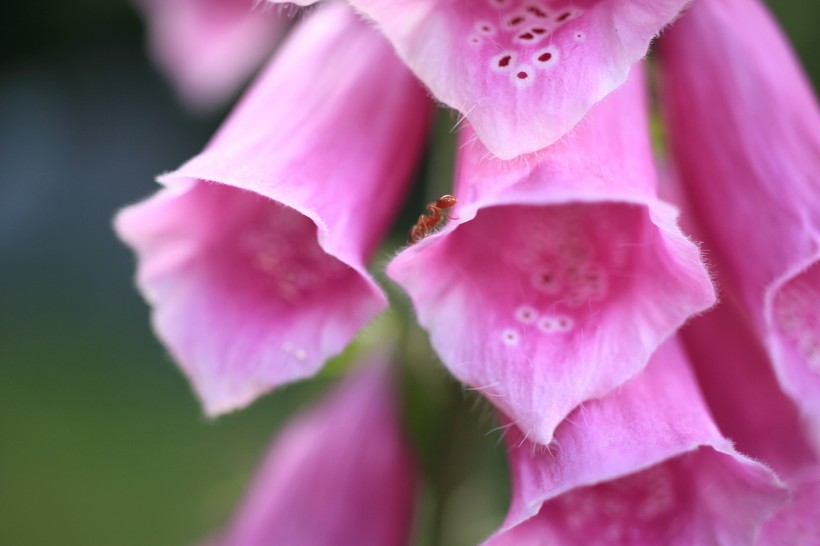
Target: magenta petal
point(564, 272)
point(743, 394)
point(341, 474)
point(522, 72)
point(750, 408)
point(745, 132)
point(208, 48)
point(254, 256)
point(797, 523)
point(792, 307)
point(645, 465)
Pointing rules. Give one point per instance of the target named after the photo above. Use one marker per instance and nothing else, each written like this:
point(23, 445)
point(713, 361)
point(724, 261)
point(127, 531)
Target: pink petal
point(564, 272)
point(522, 72)
point(743, 394)
point(341, 474)
point(645, 465)
point(797, 523)
point(208, 48)
point(254, 256)
point(750, 408)
point(745, 132)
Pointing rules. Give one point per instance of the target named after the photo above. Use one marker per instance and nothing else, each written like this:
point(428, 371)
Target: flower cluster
point(563, 288)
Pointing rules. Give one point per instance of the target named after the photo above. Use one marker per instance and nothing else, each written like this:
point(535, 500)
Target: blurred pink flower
point(340, 474)
point(253, 255)
point(208, 48)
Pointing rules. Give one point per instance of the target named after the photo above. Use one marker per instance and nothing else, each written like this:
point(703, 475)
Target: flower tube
point(253, 255)
point(340, 474)
point(744, 130)
point(564, 272)
point(644, 465)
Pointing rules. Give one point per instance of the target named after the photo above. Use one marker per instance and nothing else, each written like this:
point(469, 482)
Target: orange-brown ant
point(433, 218)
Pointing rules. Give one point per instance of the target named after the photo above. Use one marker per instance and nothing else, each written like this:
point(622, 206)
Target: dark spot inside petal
point(563, 17)
point(538, 30)
point(544, 57)
point(516, 21)
point(504, 61)
point(522, 75)
point(535, 11)
point(526, 36)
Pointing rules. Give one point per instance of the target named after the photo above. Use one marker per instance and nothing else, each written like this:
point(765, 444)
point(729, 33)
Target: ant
point(433, 218)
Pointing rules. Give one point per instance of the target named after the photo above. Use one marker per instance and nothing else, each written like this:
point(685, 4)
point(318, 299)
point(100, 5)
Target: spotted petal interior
point(523, 72)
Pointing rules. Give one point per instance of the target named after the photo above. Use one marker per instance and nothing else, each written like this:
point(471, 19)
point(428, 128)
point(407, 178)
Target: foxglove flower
point(341, 474)
point(644, 465)
point(208, 48)
point(744, 128)
point(749, 407)
point(522, 72)
point(555, 291)
point(564, 272)
point(253, 255)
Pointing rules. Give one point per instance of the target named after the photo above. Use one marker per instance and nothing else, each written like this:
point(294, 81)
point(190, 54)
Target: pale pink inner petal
point(553, 268)
point(209, 47)
point(522, 72)
point(246, 298)
point(796, 524)
point(543, 307)
point(797, 318)
point(519, 38)
point(267, 250)
point(796, 335)
point(702, 498)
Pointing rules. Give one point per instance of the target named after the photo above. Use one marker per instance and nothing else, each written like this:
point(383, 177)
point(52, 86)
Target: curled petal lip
point(647, 454)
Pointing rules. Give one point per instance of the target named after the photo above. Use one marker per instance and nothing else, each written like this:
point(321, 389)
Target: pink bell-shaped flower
point(563, 273)
point(340, 474)
point(253, 256)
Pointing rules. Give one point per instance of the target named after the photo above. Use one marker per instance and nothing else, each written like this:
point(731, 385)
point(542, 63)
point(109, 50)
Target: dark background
point(101, 441)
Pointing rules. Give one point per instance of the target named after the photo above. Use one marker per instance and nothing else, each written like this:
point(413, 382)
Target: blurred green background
point(101, 441)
